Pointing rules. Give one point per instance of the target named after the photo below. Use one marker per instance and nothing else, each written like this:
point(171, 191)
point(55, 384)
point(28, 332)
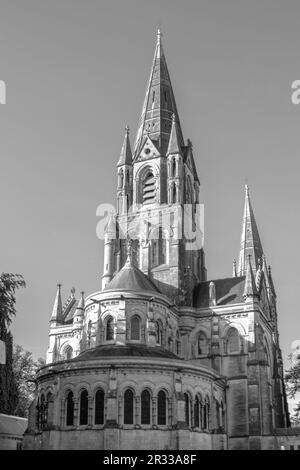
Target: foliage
point(24, 368)
point(292, 379)
point(9, 283)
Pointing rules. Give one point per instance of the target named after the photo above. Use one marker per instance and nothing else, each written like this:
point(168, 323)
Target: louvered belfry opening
point(149, 189)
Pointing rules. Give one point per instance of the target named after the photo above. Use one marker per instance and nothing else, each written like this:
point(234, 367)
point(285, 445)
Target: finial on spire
point(129, 251)
point(159, 36)
point(234, 273)
point(127, 130)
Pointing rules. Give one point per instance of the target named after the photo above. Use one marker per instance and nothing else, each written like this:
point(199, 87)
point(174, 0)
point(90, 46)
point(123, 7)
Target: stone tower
point(158, 194)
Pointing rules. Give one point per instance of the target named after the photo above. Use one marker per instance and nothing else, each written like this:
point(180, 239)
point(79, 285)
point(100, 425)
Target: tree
point(9, 283)
point(24, 368)
point(292, 378)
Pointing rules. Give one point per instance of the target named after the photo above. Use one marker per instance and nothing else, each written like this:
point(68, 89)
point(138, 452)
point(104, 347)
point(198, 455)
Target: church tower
point(158, 193)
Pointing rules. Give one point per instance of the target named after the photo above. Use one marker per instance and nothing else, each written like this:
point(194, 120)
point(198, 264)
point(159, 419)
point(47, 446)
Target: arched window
point(135, 328)
point(68, 353)
point(70, 409)
point(218, 420)
point(233, 341)
point(206, 414)
point(145, 407)
point(161, 408)
point(84, 406)
point(128, 407)
point(127, 177)
point(149, 188)
point(173, 166)
point(158, 332)
point(187, 402)
point(197, 412)
point(202, 344)
point(42, 412)
point(48, 408)
point(109, 329)
point(159, 248)
point(174, 193)
point(99, 407)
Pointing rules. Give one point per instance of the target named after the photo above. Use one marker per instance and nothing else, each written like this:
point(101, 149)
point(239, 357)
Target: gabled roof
point(159, 105)
point(130, 278)
point(228, 291)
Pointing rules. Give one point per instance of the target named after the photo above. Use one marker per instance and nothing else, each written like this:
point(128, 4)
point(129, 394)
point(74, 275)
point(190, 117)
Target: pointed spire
point(250, 240)
point(250, 286)
point(234, 273)
point(57, 314)
point(159, 105)
point(125, 155)
point(174, 146)
point(110, 229)
point(79, 313)
point(80, 305)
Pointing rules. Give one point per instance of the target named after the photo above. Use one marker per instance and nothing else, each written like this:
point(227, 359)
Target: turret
point(125, 176)
point(109, 251)
point(174, 154)
point(57, 314)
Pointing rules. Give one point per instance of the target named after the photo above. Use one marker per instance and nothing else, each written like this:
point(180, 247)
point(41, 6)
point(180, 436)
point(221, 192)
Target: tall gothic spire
point(159, 105)
point(250, 241)
point(125, 155)
point(57, 315)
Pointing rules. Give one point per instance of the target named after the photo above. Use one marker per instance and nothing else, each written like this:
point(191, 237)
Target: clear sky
point(76, 73)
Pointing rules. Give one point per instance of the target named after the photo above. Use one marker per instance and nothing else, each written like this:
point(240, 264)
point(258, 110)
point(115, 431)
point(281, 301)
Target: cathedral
point(161, 357)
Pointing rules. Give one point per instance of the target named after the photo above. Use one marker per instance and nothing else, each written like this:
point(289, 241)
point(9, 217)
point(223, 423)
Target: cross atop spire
point(159, 105)
point(250, 240)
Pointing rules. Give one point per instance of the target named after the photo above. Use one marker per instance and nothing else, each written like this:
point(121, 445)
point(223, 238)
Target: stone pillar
point(121, 324)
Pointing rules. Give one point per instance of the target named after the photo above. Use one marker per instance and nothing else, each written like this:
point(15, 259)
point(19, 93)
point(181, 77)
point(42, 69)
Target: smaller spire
point(57, 315)
point(126, 154)
point(174, 146)
point(234, 273)
point(129, 261)
point(212, 294)
point(110, 229)
point(79, 312)
point(250, 290)
point(81, 303)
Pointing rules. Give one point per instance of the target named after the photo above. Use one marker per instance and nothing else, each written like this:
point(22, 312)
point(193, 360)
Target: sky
point(76, 73)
